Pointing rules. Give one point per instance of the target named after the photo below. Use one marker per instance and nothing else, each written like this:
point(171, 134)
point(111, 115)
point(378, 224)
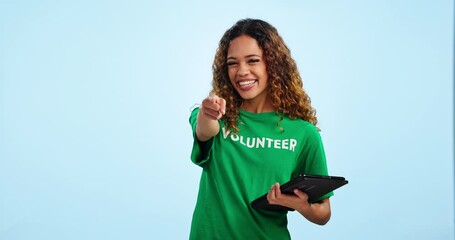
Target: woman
point(256, 129)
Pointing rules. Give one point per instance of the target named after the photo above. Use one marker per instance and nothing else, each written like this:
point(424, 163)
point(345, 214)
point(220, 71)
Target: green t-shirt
point(238, 168)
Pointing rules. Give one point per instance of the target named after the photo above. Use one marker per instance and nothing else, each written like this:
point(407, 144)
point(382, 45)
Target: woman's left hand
point(297, 201)
point(318, 213)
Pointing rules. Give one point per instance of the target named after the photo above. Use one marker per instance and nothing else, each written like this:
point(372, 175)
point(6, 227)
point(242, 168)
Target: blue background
point(96, 95)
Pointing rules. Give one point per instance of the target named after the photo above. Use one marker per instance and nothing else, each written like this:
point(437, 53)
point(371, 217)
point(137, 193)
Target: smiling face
point(247, 71)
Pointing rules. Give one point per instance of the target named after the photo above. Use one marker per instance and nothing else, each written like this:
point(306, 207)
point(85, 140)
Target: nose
point(243, 70)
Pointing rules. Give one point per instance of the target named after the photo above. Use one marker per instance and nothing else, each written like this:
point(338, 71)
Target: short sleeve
point(312, 158)
point(201, 151)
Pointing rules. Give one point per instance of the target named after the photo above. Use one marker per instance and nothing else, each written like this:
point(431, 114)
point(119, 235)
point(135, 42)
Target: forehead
point(244, 45)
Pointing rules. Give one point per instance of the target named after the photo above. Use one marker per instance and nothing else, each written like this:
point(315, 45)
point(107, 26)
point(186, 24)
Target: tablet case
point(315, 186)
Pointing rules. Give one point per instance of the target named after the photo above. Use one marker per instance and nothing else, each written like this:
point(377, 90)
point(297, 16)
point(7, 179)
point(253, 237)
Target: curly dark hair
point(285, 84)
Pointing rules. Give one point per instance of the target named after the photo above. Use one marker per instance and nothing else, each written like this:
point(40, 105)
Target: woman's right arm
point(212, 109)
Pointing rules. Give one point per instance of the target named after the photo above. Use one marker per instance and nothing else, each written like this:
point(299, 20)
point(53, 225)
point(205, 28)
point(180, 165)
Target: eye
point(254, 60)
point(231, 63)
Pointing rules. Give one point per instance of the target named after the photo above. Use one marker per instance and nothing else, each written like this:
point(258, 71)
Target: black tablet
point(315, 186)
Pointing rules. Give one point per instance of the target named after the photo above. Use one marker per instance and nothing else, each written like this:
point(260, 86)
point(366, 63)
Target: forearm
point(318, 213)
point(206, 127)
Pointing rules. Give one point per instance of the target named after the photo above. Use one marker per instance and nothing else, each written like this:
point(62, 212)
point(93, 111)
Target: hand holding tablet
point(315, 186)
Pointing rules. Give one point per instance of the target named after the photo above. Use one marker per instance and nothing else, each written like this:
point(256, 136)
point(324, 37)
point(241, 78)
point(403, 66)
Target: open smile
point(246, 85)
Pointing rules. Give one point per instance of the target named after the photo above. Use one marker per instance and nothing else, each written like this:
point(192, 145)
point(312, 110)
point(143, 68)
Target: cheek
point(264, 71)
point(265, 76)
point(231, 73)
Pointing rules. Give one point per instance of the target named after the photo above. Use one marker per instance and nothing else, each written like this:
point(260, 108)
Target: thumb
point(223, 106)
point(220, 101)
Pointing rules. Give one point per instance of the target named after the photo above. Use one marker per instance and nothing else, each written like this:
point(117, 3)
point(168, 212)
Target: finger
point(210, 113)
point(221, 103)
point(210, 104)
point(277, 190)
point(216, 103)
point(222, 106)
point(300, 194)
point(271, 195)
point(212, 98)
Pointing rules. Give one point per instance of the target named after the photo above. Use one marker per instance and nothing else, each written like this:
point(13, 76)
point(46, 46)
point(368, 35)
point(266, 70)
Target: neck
point(250, 105)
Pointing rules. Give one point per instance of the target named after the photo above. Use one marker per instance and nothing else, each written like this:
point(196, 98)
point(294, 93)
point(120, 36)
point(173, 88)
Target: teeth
point(244, 83)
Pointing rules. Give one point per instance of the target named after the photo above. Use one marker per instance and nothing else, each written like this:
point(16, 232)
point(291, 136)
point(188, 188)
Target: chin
point(247, 96)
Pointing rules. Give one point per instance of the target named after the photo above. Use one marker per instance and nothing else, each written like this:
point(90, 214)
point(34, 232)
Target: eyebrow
point(247, 56)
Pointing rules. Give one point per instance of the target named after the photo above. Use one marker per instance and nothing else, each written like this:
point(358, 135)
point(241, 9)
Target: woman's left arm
point(318, 213)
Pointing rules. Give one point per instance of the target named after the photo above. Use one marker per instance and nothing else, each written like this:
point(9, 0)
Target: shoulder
point(301, 128)
point(300, 124)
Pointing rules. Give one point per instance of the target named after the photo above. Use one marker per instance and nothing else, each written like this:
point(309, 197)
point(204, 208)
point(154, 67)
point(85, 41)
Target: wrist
point(305, 209)
point(206, 127)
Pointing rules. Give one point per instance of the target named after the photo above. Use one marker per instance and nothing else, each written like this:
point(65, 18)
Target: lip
point(248, 86)
point(245, 80)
